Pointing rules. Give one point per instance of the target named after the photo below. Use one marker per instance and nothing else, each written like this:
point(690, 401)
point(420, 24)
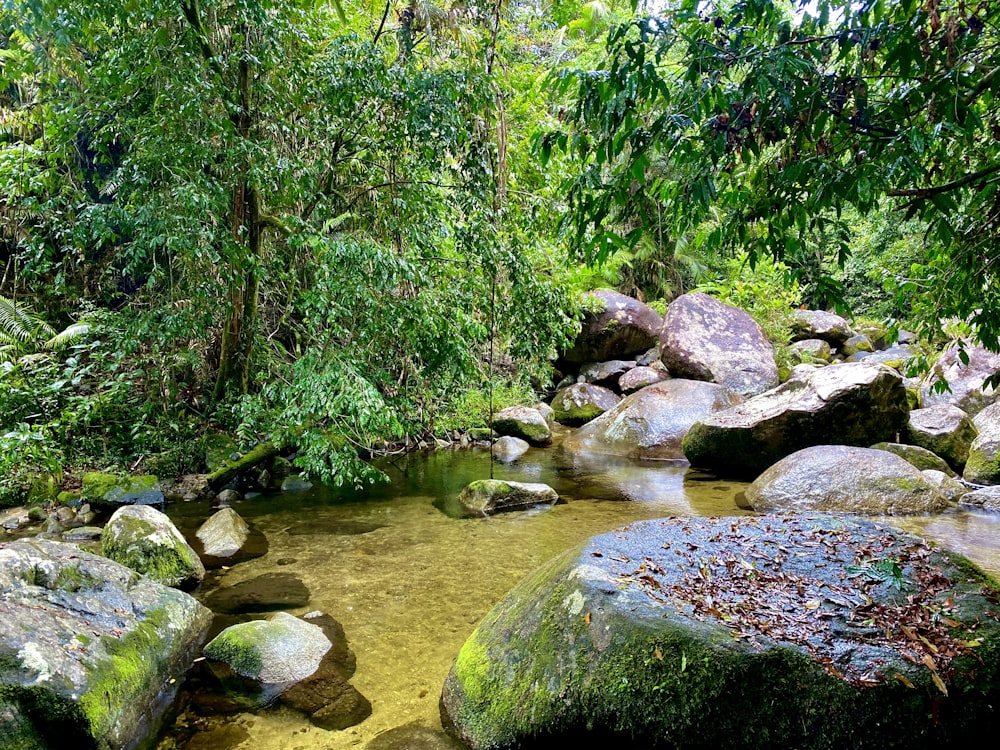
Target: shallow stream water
point(409, 582)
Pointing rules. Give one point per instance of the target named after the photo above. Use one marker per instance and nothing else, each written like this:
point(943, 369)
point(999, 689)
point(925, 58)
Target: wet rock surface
point(264, 593)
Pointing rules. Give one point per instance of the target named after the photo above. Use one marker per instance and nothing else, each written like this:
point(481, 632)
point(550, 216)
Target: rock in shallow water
point(489, 496)
point(752, 632)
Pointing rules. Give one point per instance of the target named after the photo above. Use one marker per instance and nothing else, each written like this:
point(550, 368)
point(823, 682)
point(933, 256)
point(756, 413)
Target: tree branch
point(946, 187)
point(193, 16)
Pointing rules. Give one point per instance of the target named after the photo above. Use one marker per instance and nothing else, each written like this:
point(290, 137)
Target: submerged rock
point(848, 404)
point(90, 651)
point(489, 496)
point(705, 339)
point(509, 448)
point(652, 422)
point(147, 541)
point(843, 479)
point(752, 632)
point(613, 326)
point(264, 593)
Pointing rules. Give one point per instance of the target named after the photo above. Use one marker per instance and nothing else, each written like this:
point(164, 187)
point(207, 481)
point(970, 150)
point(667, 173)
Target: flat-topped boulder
point(90, 651)
point(112, 490)
point(820, 324)
point(846, 404)
point(845, 479)
point(488, 496)
point(614, 326)
point(651, 422)
point(705, 339)
point(945, 430)
point(766, 632)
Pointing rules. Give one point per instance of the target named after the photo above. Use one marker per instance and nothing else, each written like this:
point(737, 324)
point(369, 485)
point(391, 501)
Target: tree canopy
point(755, 124)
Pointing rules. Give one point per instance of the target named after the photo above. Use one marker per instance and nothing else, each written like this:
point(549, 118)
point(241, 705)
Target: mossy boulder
point(651, 422)
point(614, 325)
point(581, 402)
point(810, 351)
point(524, 422)
point(922, 458)
point(983, 463)
point(751, 632)
point(90, 651)
point(281, 649)
point(820, 324)
point(145, 540)
point(112, 490)
point(845, 479)
point(489, 496)
point(847, 404)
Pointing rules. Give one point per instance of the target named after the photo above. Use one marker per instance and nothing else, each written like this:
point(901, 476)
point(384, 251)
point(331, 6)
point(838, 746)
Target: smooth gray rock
point(508, 448)
point(651, 422)
point(922, 458)
point(582, 402)
point(982, 498)
point(951, 489)
point(639, 377)
point(90, 651)
point(944, 430)
point(847, 403)
point(844, 479)
point(281, 649)
point(819, 324)
point(605, 373)
point(614, 326)
point(145, 540)
point(983, 463)
point(488, 496)
point(754, 632)
point(705, 339)
point(295, 483)
point(965, 381)
point(223, 534)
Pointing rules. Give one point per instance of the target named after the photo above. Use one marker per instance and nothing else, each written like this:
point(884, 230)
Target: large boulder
point(111, 490)
point(944, 430)
point(819, 324)
point(705, 339)
point(847, 404)
point(754, 632)
point(145, 540)
point(614, 326)
point(983, 464)
point(488, 496)
point(90, 651)
point(651, 423)
point(965, 379)
point(581, 402)
point(281, 649)
point(844, 479)
point(523, 422)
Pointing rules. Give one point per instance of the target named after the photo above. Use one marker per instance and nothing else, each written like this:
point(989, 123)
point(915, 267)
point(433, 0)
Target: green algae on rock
point(89, 648)
point(790, 631)
point(147, 541)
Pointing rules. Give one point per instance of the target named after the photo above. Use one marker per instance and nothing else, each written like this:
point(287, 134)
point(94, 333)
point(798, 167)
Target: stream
point(409, 582)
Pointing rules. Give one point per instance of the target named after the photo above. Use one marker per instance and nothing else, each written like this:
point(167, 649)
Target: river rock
point(705, 339)
point(282, 649)
point(508, 449)
point(983, 464)
point(295, 483)
point(223, 534)
point(489, 496)
point(847, 403)
point(944, 430)
point(819, 324)
point(264, 593)
point(651, 423)
point(951, 489)
point(186, 488)
point(810, 350)
point(606, 374)
point(581, 402)
point(895, 357)
point(982, 498)
point(90, 651)
point(110, 490)
point(855, 344)
point(922, 458)
point(639, 377)
point(844, 479)
point(613, 326)
point(523, 422)
point(752, 632)
point(147, 541)
point(965, 380)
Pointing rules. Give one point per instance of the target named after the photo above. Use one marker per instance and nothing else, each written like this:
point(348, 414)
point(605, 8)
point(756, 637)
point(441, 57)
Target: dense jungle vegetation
point(337, 225)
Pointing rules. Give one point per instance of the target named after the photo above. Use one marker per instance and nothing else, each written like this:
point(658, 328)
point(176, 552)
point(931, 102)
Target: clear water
point(409, 582)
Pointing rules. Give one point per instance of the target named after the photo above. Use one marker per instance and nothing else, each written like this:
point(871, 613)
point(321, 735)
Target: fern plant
point(23, 333)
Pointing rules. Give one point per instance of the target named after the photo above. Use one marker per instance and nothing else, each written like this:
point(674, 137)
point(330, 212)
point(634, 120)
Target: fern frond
point(66, 336)
point(16, 323)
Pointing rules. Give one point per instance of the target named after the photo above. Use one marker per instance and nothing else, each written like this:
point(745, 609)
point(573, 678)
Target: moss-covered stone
point(101, 489)
point(488, 496)
point(606, 646)
point(922, 458)
point(145, 540)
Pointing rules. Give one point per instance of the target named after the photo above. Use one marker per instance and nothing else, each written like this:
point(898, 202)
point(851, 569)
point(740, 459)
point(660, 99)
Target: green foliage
point(471, 407)
point(776, 124)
